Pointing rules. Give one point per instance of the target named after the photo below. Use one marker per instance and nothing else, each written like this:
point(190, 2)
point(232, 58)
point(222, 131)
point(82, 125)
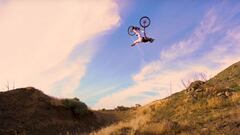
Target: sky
point(81, 48)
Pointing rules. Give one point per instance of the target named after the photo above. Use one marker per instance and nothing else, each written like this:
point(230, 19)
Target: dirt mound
point(210, 107)
point(30, 111)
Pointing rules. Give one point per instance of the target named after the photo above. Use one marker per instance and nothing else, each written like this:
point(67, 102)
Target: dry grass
point(189, 133)
point(113, 129)
point(216, 102)
point(173, 115)
point(235, 98)
point(129, 127)
point(163, 127)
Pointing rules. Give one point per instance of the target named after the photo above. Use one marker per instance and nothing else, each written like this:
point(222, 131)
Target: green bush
point(76, 106)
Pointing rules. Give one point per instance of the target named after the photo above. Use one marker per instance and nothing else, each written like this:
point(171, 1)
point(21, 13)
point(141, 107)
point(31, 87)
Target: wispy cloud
point(193, 42)
point(38, 36)
point(159, 84)
point(216, 39)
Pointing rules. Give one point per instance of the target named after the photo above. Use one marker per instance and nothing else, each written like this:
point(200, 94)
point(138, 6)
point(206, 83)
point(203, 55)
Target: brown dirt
point(29, 111)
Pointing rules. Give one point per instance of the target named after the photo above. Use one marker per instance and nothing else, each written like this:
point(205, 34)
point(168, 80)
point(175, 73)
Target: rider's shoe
point(151, 40)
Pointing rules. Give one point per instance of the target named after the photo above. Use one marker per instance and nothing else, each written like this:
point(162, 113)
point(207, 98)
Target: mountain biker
point(141, 39)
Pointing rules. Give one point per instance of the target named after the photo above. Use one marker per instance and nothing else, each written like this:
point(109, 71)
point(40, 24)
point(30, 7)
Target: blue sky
point(113, 66)
point(88, 55)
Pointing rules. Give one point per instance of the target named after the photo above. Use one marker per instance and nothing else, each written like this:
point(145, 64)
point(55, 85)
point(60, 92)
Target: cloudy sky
point(80, 48)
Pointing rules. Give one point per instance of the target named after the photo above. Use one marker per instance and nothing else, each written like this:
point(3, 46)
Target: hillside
point(29, 111)
point(211, 107)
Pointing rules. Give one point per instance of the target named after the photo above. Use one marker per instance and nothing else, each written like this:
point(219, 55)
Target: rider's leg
point(139, 40)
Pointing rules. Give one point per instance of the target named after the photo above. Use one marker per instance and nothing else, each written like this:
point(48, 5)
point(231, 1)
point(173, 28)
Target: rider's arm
point(143, 31)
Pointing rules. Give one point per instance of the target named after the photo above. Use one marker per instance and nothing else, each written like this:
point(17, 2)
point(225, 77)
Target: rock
point(199, 90)
point(190, 90)
point(195, 85)
point(220, 93)
point(194, 96)
point(204, 129)
point(227, 93)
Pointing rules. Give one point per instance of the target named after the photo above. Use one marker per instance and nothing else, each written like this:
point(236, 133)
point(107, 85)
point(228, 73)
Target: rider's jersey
point(139, 33)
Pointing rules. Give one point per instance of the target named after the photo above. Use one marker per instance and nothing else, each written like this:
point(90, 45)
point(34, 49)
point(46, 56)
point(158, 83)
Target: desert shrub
point(137, 105)
point(76, 99)
point(122, 108)
point(76, 106)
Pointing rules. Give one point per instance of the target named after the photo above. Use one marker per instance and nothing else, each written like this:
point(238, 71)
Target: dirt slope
point(204, 108)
